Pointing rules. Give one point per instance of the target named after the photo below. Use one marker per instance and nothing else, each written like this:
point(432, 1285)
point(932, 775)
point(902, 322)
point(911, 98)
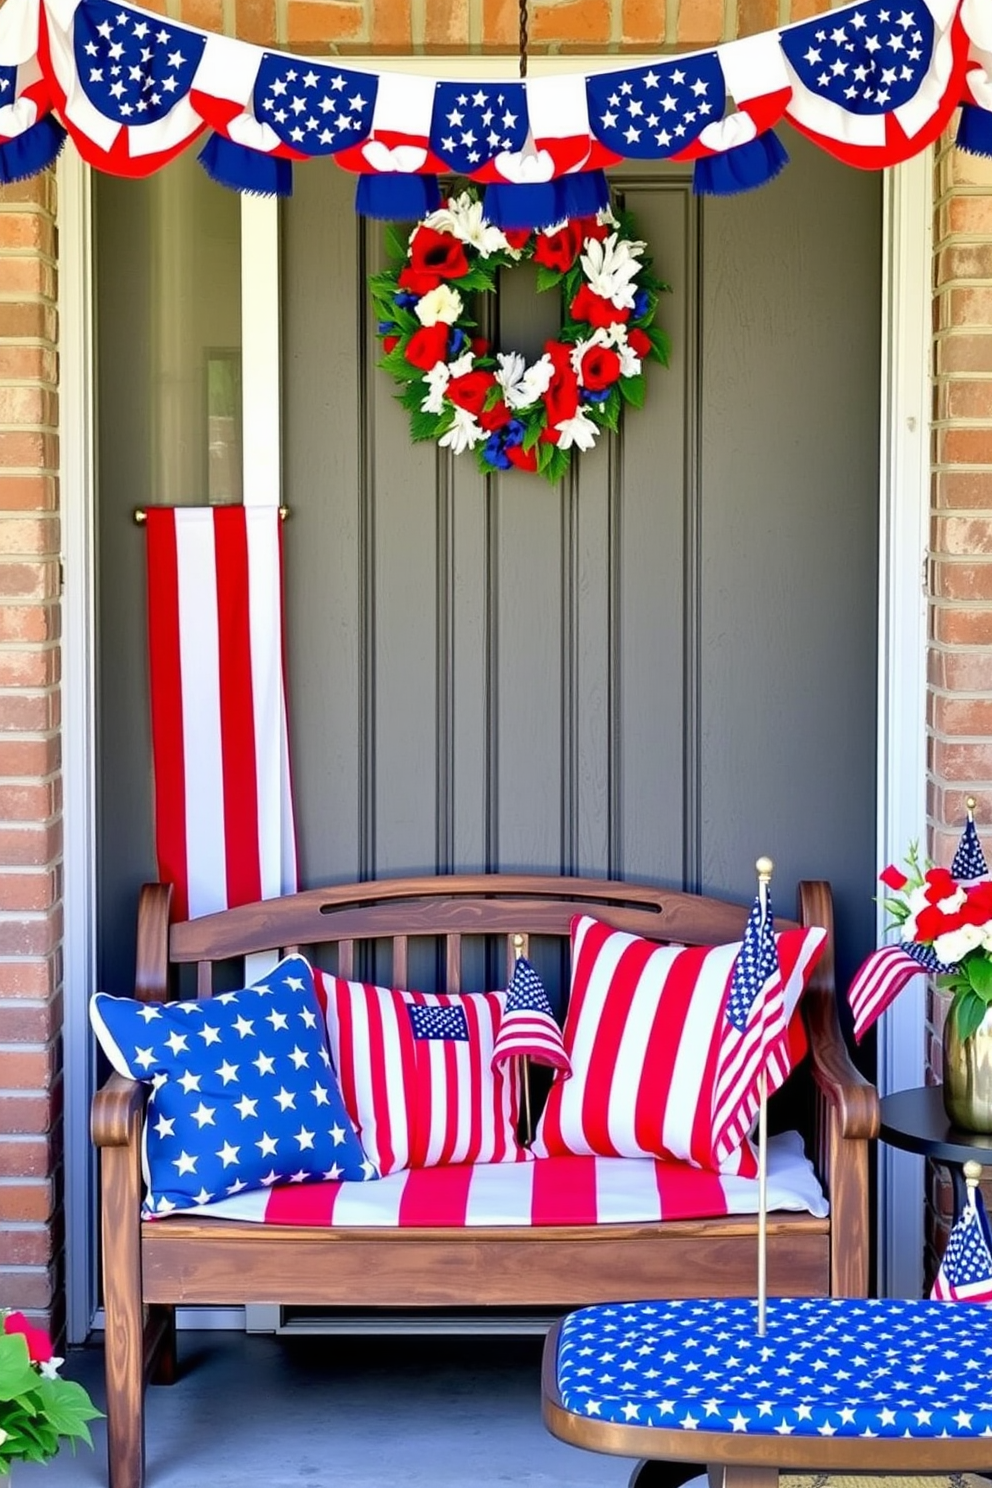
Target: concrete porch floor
point(434, 1412)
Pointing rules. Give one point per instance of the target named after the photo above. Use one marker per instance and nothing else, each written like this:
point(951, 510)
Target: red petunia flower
point(562, 397)
point(588, 305)
point(893, 876)
point(470, 390)
point(600, 368)
point(640, 344)
point(427, 346)
point(38, 1342)
point(559, 250)
point(521, 458)
point(434, 257)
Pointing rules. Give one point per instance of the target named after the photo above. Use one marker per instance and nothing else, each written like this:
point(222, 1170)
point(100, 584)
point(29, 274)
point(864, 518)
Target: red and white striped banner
point(224, 827)
point(551, 1191)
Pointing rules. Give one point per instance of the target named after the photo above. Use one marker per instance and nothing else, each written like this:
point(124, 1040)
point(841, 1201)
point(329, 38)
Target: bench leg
point(125, 1331)
point(162, 1362)
point(737, 1476)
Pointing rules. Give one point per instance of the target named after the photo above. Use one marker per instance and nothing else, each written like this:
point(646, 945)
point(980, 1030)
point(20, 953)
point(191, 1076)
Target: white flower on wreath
point(615, 337)
point(611, 266)
point(464, 219)
point(443, 304)
point(465, 433)
point(580, 431)
point(437, 379)
point(523, 385)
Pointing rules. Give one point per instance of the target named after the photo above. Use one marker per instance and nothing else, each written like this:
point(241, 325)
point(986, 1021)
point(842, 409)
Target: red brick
point(700, 22)
point(30, 450)
point(30, 230)
point(29, 756)
point(446, 24)
point(643, 22)
point(28, 492)
point(962, 536)
point(20, 321)
point(37, 580)
point(965, 307)
point(964, 488)
point(954, 761)
point(33, 801)
point(30, 978)
point(27, 274)
point(802, 10)
point(26, 622)
point(22, 847)
point(25, 1157)
point(29, 1114)
point(960, 671)
point(323, 21)
point(23, 1022)
point(31, 1291)
point(207, 14)
point(960, 399)
point(964, 261)
point(964, 446)
point(967, 581)
point(29, 668)
point(27, 1202)
point(28, 891)
point(575, 23)
point(35, 190)
point(957, 715)
point(256, 21)
point(29, 712)
point(965, 351)
point(958, 627)
point(500, 22)
point(970, 214)
point(756, 15)
point(29, 937)
point(31, 1246)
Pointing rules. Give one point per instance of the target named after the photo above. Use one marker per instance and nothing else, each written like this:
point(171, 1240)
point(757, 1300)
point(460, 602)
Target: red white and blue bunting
point(873, 83)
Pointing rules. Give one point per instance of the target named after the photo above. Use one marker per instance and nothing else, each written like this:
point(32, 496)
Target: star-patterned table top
point(825, 1367)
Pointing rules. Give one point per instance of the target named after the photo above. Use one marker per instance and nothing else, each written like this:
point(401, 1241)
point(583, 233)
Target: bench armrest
point(115, 1117)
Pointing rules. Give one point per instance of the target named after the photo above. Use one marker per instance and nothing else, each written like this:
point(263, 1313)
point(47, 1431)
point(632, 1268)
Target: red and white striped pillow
point(642, 1032)
point(415, 1073)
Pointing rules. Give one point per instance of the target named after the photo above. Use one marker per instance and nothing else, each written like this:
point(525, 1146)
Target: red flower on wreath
point(590, 306)
point(470, 390)
point(427, 346)
point(562, 397)
point(434, 257)
point(639, 342)
point(521, 458)
point(559, 250)
point(599, 368)
point(38, 1342)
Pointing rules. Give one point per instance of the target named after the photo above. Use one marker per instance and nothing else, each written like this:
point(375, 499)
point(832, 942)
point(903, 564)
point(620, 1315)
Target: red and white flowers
point(463, 393)
point(38, 1409)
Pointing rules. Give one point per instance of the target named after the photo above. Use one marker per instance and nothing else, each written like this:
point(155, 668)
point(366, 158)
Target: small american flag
point(528, 1025)
point(882, 976)
point(965, 1273)
point(755, 1033)
point(969, 861)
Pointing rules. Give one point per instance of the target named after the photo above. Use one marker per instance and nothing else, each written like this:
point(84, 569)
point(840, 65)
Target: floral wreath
point(460, 391)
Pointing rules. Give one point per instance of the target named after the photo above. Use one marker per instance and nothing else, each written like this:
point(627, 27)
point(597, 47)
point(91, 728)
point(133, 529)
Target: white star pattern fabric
point(554, 1191)
point(416, 1075)
point(243, 1093)
point(472, 126)
point(643, 1032)
point(314, 109)
point(652, 113)
point(825, 1367)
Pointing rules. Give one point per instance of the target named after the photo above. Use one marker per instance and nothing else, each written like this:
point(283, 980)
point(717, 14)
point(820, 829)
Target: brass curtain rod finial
point(141, 514)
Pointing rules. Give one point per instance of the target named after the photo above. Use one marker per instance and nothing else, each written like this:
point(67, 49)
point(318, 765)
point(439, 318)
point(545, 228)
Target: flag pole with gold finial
point(764, 868)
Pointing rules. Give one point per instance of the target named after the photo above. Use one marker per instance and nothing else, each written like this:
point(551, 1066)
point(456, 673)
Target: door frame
point(903, 516)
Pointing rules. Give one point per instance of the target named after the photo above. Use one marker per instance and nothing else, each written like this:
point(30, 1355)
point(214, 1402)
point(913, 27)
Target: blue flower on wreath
point(495, 448)
point(588, 396)
point(405, 299)
point(641, 304)
point(457, 342)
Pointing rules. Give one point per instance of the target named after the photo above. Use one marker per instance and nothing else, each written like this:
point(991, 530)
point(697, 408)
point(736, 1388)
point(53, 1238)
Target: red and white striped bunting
point(224, 824)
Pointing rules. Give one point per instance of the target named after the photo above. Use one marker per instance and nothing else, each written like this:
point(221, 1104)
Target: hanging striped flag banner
point(224, 821)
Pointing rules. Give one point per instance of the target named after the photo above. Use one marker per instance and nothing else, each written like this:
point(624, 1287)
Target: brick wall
point(30, 784)
point(459, 26)
point(959, 717)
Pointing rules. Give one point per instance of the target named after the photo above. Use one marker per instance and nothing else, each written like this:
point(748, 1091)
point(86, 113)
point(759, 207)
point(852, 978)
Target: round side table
point(916, 1121)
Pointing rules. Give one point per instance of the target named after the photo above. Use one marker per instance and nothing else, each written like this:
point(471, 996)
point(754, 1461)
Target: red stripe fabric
point(421, 1102)
point(564, 1191)
point(643, 1033)
point(303, 1203)
point(436, 1196)
point(688, 1193)
point(241, 825)
point(167, 705)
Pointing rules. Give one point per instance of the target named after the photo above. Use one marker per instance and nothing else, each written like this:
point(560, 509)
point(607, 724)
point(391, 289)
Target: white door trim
point(904, 503)
point(904, 506)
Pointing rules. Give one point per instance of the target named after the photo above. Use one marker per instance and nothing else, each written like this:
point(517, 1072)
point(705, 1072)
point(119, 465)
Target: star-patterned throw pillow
point(243, 1092)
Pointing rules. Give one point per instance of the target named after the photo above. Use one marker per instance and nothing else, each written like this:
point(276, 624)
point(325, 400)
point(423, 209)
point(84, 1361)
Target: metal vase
point(968, 1076)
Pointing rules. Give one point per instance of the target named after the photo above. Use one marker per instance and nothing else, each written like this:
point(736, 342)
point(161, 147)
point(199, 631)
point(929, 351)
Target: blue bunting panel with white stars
point(649, 113)
point(132, 68)
point(869, 61)
point(471, 126)
point(243, 1093)
point(315, 109)
point(825, 1367)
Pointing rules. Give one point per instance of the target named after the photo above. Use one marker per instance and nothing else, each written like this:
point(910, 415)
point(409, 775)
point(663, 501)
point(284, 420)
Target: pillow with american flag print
point(643, 1032)
point(416, 1074)
point(243, 1093)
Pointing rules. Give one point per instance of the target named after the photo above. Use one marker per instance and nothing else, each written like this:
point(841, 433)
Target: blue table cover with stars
point(825, 1367)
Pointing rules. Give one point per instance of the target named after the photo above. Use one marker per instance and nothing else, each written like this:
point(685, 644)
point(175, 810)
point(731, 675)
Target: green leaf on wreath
point(547, 277)
point(609, 411)
point(557, 467)
point(532, 433)
point(397, 243)
point(634, 390)
point(661, 344)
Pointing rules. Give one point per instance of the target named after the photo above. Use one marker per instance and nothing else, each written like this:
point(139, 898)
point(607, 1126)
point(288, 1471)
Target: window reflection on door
point(223, 386)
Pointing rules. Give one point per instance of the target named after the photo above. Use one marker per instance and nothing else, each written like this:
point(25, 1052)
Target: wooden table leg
point(655, 1474)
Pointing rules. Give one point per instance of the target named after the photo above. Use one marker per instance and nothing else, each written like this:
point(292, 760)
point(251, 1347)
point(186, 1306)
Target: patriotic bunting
point(873, 83)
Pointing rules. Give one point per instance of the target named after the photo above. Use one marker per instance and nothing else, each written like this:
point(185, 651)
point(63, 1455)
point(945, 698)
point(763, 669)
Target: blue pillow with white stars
point(243, 1092)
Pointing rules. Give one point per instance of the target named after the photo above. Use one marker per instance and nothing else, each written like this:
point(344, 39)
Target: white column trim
point(904, 505)
point(261, 439)
point(77, 487)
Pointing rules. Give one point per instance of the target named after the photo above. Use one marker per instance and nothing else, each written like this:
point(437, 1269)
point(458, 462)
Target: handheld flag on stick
point(969, 864)
point(965, 1273)
point(755, 1041)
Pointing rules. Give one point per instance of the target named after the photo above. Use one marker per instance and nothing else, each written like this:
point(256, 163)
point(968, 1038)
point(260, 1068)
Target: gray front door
point(660, 671)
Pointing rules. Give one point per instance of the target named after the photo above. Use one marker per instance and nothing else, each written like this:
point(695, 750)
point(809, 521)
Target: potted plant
point(38, 1409)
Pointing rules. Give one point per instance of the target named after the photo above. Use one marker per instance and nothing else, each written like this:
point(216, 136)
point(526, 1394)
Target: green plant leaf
point(17, 1377)
point(68, 1408)
point(661, 345)
point(532, 432)
point(634, 390)
point(397, 243)
point(557, 466)
point(979, 969)
point(547, 277)
point(968, 1010)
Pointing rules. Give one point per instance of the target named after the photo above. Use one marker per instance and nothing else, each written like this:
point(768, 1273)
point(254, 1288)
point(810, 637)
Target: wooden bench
point(469, 923)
